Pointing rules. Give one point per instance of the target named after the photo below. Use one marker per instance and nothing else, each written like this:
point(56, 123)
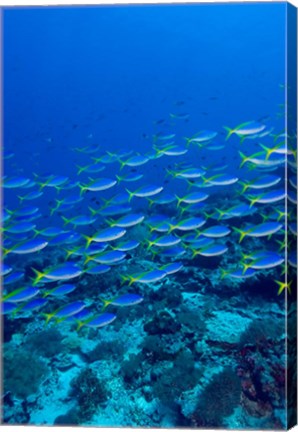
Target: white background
point(81, 2)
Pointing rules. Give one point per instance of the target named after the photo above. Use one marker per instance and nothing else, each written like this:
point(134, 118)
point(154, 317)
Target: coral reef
point(23, 372)
point(106, 350)
point(162, 323)
point(89, 392)
point(47, 343)
point(169, 383)
point(261, 331)
point(130, 369)
point(218, 399)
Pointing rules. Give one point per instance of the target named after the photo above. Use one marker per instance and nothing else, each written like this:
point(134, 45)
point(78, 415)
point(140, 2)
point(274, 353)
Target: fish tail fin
point(179, 201)
point(39, 276)
point(230, 131)
point(282, 244)
point(209, 215)
point(253, 200)
point(21, 198)
point(122, 164)
point(41, 185)
point(15, 311)
point(59, 202)
point(150, 201)
point(154, 253)
point(280, 213)
point(106, 202)
point(5, 251)
point(53, 210)
point(68, 253)
point(82, 189)
point(194, 253)
point(80, 325)
point(246, 266)
point(80, 169)
point(281, 286)
point(37, 232)
point(244, 256)
point(66, 221)
point(105, 303)
point(221, 213)
point(149, 244)
point(110, 222)
point(243, 159)
point(92, 211)
point(158, 153)
point(188, 140)
point(223, 273)
point(169, 173)
point(244, 186)
point(124, 279)
point(48, 316)
point(189, 184)
point(241, 232)
point(267, 150)
point(87, 259)
point(252, 166)
point(130, 195)
point(88, 240)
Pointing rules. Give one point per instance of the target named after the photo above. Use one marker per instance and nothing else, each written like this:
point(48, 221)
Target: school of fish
point(191, 212)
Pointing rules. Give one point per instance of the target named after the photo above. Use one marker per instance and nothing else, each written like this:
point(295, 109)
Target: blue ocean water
point(144, 177)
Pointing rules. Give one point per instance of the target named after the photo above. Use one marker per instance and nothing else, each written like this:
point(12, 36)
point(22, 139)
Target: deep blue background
point(111, 71)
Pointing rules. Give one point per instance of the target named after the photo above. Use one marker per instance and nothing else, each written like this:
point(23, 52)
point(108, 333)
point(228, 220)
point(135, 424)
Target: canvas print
point(149, 193)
